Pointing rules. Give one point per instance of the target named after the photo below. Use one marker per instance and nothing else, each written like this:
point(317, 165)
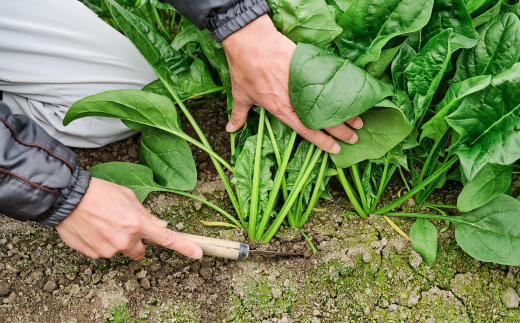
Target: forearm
point(39, 179)
point(221, 17)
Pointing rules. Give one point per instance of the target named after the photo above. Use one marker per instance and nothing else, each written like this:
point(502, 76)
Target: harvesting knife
point(224, 248)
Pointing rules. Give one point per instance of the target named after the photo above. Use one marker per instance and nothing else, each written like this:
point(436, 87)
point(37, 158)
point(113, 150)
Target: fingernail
point(354, 139)
point(197, 254)
point(358, 124)
point(335, 149)
point(230, 127)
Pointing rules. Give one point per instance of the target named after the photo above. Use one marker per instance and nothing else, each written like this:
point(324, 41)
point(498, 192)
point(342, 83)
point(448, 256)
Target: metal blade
point(274, 253)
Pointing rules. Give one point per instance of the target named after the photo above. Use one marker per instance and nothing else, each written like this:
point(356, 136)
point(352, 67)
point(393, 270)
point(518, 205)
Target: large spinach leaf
point(369, 24)
point(492, 232)
point(326, 90)
point(169, 157)
point(137, 109)
point(491, 181)
point(487, 122)
point(497, 50)
point(383, 129)
point(306, 21)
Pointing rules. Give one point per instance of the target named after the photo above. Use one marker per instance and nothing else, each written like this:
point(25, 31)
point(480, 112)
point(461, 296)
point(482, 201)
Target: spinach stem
point(317, 191)
point(404, 179)
point(418, 188)
point(382, 183)
point(350, 193)
point(304, 168)
point(278, 157)
point(273, 196)
point(440, 205)
point(161, 24)
point(203, 201)
point(192, 104)
point(180, 25)
point(308, 241)
point(255, 190)
point(354, 171)
point(288, 204)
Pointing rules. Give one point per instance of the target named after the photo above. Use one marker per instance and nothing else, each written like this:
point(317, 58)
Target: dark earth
point(363, 271)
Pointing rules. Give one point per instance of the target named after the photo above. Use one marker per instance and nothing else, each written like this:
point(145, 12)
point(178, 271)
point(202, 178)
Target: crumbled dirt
point(363, 270)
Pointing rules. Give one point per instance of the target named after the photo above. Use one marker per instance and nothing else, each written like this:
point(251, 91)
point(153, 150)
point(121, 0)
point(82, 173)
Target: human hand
point(259, 58)
point(110, 220)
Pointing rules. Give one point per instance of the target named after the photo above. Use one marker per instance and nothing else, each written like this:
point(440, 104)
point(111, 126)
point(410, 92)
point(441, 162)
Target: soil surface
point(363, 271)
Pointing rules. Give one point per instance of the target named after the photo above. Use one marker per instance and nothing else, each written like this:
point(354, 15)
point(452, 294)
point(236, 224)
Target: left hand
point(259, 58)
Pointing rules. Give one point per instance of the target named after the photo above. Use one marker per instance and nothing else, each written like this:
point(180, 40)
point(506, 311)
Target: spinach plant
point(453, 66)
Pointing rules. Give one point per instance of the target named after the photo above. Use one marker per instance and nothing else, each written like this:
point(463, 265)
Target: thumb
point(172, 240)
point(238, 116)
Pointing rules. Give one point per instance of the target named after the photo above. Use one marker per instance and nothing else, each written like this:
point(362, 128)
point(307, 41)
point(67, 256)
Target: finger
point(137, 252)
point(238, 115)
point(343, 133)
point(317, 137)
point(356, 123)
point(171, 240)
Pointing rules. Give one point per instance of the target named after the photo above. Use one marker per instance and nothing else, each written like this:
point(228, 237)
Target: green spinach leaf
point(243, 177)
point(492, 232)
point(436, 127)
point(187, 35)
point(426, 70)
point(170, 159)
point(451, 14)
point(491, 181)
point(369, 24)
point(487, 122)
point(138, 178)
point(383, 129)
point(306, 21)
point(497, 50)
point(424, 240)
point(401, 62)
point(326, 90)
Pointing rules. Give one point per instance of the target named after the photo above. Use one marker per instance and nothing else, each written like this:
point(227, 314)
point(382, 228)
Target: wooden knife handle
point(214, 247)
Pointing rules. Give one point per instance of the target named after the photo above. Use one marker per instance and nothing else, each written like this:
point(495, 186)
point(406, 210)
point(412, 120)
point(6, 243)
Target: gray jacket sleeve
point(221, 17)
point(39, 179)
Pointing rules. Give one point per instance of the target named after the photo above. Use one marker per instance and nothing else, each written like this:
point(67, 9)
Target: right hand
point(259, 58)
point(110, 220)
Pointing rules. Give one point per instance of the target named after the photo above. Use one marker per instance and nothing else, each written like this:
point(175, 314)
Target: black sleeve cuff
point(222, 25)
point(68, 199)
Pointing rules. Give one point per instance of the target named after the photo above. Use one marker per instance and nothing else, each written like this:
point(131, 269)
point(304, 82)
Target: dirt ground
point(363, 271)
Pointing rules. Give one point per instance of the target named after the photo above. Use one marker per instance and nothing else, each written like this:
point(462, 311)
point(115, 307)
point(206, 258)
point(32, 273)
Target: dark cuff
point(69, 199)
point(224, 24)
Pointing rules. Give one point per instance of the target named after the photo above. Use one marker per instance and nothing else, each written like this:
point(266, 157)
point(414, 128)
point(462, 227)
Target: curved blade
point(274, 253)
